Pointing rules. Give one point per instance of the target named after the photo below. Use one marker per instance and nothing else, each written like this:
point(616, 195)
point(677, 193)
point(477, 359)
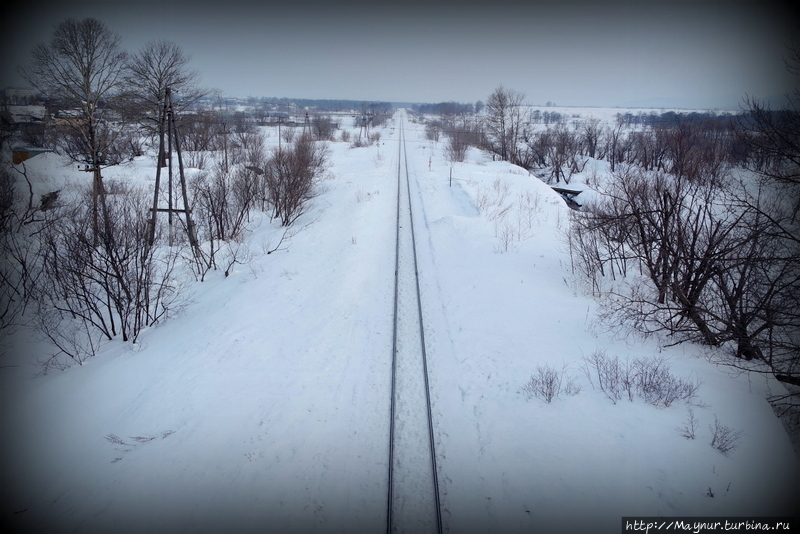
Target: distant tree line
point(445, 108)
point(320, 104)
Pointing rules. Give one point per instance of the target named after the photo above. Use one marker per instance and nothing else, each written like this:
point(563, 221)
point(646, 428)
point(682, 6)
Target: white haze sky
point(577, 52)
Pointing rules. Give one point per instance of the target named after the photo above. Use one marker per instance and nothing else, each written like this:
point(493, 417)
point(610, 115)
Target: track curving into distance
point(413, 501)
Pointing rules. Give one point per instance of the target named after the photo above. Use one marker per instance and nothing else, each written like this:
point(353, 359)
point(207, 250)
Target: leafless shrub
point(8, 201)
point(288, 134)
point(241, 145)
point(359, 142)
point(236, 253)
point(491, 201)
point(547, 383)
point(196, 159)
point(20, 221)
point(612, 376)
point(528, 205)
point(345, 136)
point(572, 387)
point(656, 385)
point(222, 205)
point(254, 166)
point(222, 202)
point(36, 135)
point(96, 288)
point(116, 440)
point(292, 175)
point(689, 426)
point(324, 127)
point(125, 145)
point(647, 378)
point(505, 234)
point(245, 135)
point(432, 131)
point(457, 145)
point(723, 438)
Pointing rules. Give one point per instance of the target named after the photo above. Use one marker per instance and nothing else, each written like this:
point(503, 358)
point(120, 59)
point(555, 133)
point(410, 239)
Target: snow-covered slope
point(264, 406)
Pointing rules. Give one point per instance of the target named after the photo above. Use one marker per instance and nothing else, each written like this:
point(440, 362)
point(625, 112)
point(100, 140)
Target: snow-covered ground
point(264, 405)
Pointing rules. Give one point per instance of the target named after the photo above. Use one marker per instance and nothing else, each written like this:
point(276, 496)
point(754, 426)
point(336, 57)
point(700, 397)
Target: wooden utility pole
point(98, 192)
point(363, 128)
point(170, 128)
point(280, 121)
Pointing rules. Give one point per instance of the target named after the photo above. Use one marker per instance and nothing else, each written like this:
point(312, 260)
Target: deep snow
point(264, 405)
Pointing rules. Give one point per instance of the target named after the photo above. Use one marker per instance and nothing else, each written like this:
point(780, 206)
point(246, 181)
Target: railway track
point(413, 498)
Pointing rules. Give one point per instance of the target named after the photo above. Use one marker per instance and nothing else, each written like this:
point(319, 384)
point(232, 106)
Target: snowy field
point(264, 406)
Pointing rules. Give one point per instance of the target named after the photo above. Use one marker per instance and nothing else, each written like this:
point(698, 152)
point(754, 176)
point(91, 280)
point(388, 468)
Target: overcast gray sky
point(577, 52)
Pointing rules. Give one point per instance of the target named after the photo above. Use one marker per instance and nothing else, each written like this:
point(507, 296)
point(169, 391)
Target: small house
point(21, 154)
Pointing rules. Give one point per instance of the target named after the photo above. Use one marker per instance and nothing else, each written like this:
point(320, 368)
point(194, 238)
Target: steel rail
point(403, 158)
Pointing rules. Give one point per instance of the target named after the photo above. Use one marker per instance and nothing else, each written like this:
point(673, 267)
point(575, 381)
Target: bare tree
point(157, 66)
point(538, 146)
point(616, 146)
point(697, 263)
point(645, 151)
point(590, 137)
point(562, 156)
point(82, 68)
point(505, 115)
point(198, 137)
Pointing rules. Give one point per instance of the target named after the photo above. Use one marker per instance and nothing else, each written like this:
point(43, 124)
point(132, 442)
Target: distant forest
point(311, 103)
